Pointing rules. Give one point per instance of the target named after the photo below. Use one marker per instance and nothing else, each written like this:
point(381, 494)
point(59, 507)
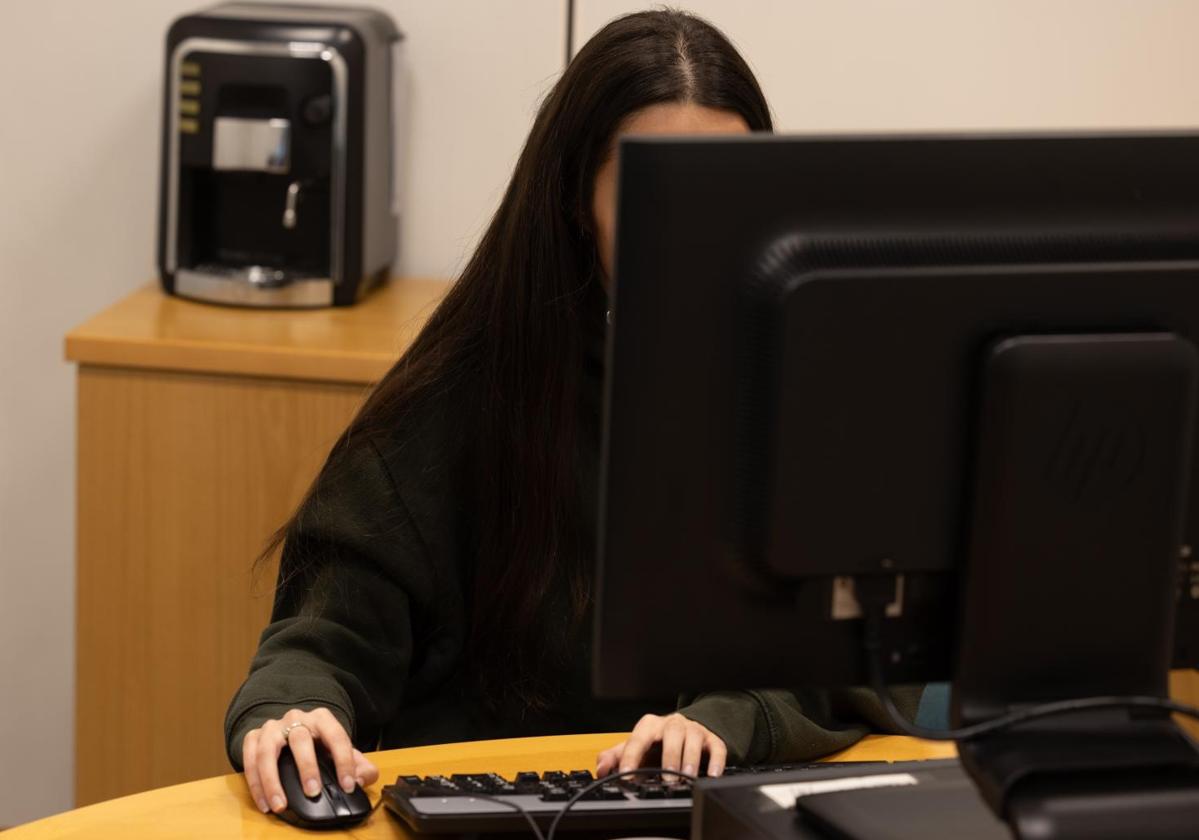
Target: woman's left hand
point(684, 743)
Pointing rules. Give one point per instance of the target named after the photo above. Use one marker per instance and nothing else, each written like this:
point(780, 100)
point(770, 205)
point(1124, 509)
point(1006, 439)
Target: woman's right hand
point(260, 756)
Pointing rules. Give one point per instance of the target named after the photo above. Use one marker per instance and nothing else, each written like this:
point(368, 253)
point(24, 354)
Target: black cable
point(598, 783)
point(465, 794)
point(528, 817)
point(874, 617)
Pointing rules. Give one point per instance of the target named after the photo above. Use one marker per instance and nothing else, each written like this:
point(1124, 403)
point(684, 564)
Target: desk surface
point(356, 344)
point(221, 806)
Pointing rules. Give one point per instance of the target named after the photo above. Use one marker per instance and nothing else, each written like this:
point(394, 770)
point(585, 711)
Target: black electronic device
point(904, 800)
point(331, 808)
point(453, 804)
point(277, 154)
point(945, 381)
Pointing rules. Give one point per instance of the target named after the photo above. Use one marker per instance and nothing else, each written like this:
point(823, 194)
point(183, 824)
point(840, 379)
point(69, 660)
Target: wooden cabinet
point(199, 429)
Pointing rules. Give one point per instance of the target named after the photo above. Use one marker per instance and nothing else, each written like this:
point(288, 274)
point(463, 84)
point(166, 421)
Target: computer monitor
point(959, 370)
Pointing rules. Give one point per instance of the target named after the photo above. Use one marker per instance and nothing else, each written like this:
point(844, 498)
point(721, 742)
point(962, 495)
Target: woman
point(435, 584)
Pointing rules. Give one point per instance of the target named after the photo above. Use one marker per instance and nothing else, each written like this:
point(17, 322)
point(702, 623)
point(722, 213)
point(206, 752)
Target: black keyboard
point(452, 804)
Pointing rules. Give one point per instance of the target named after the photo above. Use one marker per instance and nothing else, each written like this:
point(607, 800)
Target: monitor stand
point(1071, 582)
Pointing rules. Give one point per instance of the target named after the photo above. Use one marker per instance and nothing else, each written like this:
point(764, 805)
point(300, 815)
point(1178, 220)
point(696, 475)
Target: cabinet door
point(182, 478)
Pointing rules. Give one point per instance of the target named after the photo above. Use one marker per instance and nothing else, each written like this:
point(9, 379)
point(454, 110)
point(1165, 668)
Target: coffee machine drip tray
point(253, 285)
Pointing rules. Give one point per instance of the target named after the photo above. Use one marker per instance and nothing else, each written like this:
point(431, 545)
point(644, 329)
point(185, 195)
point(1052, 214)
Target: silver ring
point(287, 730)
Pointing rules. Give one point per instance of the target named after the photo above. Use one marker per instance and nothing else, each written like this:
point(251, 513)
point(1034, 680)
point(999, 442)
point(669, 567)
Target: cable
point(598, 783)
point(874, 617)
point(528, 817)
point(464, 794)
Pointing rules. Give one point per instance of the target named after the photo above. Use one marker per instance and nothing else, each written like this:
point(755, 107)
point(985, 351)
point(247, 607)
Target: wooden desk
point(221, 807)
point(199, 429)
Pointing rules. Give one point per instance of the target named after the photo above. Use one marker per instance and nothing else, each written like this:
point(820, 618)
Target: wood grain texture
point(149, 329)
point(181, 478)
point(221, 806)
point(1184, 687)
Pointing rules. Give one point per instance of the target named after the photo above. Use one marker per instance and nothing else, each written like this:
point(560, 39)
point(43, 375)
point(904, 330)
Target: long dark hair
point(513, 327)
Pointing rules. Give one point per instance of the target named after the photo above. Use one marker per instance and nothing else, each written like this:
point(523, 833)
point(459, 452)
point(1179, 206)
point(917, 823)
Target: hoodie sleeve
point(771, 726)
point(353, 572)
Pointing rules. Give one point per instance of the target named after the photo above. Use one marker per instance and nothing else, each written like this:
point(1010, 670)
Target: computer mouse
point(331, 808)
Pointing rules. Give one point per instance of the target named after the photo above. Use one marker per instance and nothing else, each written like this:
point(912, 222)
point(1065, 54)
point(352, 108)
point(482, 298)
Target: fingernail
point(689, 770)
point(261, 803)
point(347, 784)
point(278, 803)
point(312, 787)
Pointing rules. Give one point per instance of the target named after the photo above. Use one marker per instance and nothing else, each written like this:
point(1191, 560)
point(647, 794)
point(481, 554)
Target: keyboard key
point(555, 794)
point(526, 777)
point(651, 792)
point(610, 792)
point(581, 776)
point(474, 783)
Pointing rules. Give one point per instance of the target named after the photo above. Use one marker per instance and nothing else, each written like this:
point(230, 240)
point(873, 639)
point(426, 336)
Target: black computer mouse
point(331, 808)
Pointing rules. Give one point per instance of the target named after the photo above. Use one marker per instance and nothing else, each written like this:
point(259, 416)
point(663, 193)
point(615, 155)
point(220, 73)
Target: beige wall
point(79, 81)
point(869, 65)
point(78, 144)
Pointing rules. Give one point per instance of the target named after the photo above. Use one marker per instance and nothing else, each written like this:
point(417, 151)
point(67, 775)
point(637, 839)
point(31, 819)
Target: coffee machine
point(277, 155)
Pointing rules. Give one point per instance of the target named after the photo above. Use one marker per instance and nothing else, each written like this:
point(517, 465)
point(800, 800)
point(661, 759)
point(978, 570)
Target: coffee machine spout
point(289, 207)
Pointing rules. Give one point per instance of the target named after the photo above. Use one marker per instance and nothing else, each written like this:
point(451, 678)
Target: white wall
point(869, 65)
point(80, 84)
point(78, 144)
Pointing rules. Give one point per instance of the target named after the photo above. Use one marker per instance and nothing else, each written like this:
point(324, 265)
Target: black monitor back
point(799, 330)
